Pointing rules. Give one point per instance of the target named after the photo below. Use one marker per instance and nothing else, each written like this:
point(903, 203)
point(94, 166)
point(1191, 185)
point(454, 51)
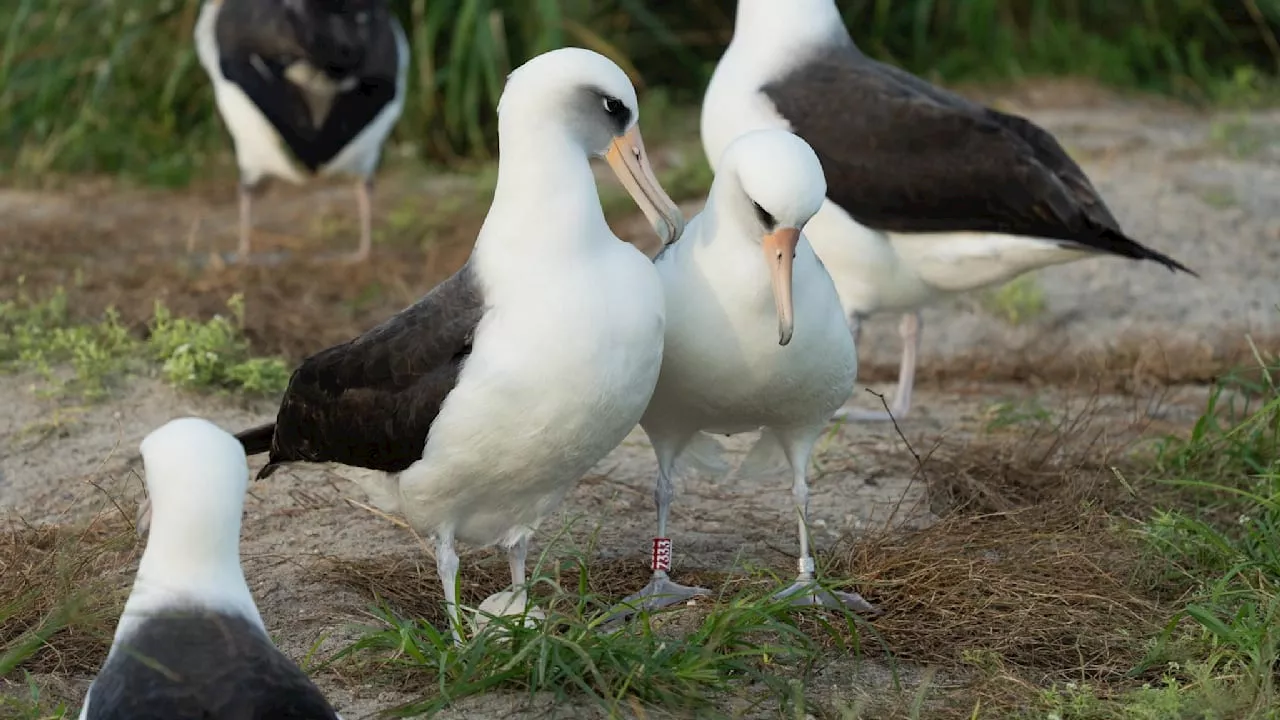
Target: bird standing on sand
point(928, 194)
point(759, 339)
point(475, 410)
point(307, 88)
point(190, 643)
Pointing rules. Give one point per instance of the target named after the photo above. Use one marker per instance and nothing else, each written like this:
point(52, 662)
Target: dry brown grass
point(1032, 575)
point(1073, 457)
point(63, 589)
point(1037, 591)
point(1130, 364)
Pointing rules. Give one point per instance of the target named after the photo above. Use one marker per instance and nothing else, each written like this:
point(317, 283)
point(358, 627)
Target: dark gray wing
point(370, 402)
point(258, 40)
point(198, 665)
point(901, 155)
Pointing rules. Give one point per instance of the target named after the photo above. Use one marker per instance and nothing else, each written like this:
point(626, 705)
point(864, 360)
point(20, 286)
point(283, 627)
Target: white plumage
point(555, 323)
point(746, 348)
point(190, 636)
point(800, 50)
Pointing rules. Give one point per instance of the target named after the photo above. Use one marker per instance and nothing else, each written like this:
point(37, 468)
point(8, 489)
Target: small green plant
point(41, 336)
point(213, 354)
point(1018, 301)
point(1071, 701)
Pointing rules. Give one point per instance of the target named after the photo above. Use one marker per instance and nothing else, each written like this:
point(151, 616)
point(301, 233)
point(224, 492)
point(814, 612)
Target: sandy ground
point(1204, 189)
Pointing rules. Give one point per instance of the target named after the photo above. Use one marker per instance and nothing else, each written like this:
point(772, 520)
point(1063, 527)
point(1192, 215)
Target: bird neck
point(546, 193)
point(189, 564)
point(720, 238)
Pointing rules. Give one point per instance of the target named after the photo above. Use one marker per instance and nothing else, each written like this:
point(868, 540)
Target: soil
point(1204, 188)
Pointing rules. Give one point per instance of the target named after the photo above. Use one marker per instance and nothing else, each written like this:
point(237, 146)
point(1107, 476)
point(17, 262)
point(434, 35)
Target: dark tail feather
point(1119, 244)
point(257, 440)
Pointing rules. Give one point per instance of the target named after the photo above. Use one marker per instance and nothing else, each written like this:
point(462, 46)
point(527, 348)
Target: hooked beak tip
point(627, 158)
point(779, 248)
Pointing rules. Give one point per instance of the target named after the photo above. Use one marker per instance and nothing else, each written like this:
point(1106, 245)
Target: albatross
point(190, 643)
point(759, 340)
point(928, 193)
point(307, 88)
point(475, 410)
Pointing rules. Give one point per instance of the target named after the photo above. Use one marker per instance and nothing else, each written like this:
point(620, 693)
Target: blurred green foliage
point(113, 86)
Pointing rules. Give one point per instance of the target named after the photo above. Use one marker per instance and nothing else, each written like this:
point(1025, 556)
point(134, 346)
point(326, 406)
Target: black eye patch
point(617, 111)
point(765, 218)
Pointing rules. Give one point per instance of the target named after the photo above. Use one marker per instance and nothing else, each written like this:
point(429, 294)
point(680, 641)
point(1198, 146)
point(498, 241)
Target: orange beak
point(779, 251)
point(627, 158)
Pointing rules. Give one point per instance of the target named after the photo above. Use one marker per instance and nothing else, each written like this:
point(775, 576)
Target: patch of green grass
point(1236, 437)
point(104, 87)
point(41, 336)
point(746, 651)
point(1189, 49)
point(1222, 549)
point(1191, 691)
point(1016, 302)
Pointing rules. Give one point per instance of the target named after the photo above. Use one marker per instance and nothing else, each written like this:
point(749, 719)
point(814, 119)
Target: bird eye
point(612, 105)
point(765, 218)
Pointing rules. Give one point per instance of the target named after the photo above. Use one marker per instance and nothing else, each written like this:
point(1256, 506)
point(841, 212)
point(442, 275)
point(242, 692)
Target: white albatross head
point(770, 184)
point(590, 97)
point(196, 477)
